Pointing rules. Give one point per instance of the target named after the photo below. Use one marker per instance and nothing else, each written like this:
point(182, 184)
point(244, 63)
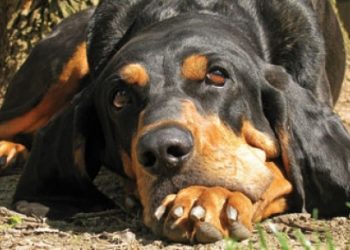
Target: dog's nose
point(164, 149)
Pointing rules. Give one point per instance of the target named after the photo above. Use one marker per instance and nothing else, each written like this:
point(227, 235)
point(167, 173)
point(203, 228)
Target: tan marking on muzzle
point(127, 166)
point(220, 156)
point(224, 156)
point(258, 139)
point(134, 74)
point(194, 67)
point(144, 182)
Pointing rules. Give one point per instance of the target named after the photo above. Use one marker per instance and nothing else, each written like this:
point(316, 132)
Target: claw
point(178, 212)
point(239, 231)
point(160, 211)
point(11, 154)
point(198, 213)
point(207, 233)
point(231, 214)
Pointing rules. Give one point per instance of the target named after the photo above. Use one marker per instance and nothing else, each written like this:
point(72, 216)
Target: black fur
point(43, 66)
point(246, 38)
point(318, 146)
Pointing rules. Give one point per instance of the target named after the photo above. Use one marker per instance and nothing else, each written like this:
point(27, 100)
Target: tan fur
point(54, 100)
point(215, 201)
point(194, 67)
point(127, 166)
point(220, 156)
point(10, 150)
point(274, 200)
point(284, 141)
point(79, 158)
point(260, 140)
point(223, 155)
point(134, 74)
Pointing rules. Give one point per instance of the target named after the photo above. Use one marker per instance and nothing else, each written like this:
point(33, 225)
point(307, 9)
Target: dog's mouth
point(244, 170)
point(223, 160)
point(205, 152)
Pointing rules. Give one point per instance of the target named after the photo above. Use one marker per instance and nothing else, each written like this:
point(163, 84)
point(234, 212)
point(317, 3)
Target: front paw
point(31, 208)
point(11, 154)
point(204, 215)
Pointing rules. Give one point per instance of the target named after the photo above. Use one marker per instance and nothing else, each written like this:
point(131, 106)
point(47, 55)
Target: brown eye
point(121, 99)
point(216, 77)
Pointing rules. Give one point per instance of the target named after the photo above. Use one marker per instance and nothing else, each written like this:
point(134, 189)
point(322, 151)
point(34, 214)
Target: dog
point(219, 111)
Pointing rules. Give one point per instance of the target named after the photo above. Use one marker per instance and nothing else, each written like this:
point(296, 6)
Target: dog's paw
point(11, 153)
point(31, 208)
point(204, 215)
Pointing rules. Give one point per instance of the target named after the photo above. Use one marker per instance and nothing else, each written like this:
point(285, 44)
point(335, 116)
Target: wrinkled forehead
point(178, 37)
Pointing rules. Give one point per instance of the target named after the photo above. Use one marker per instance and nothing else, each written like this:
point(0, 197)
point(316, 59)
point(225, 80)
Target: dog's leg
point(57, 179)
point(53, 73)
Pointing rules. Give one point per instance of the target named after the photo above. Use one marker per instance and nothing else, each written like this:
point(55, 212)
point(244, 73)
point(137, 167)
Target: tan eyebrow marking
point(195, 67)
point(134, 73)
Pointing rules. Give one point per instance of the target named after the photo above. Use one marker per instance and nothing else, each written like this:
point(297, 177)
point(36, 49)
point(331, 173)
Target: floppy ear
point(65, 157)
point(315, 145)
point(109, 29)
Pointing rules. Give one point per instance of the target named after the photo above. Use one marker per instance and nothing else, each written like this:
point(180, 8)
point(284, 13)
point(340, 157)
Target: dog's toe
point(31, 208)
point(207, 233)
point(204, 215)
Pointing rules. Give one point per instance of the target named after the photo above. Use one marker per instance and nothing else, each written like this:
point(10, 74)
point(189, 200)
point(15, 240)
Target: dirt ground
point(122, 228)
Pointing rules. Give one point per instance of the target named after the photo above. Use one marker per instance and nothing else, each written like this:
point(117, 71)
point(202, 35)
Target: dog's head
point(192, 101)
point(182, 101)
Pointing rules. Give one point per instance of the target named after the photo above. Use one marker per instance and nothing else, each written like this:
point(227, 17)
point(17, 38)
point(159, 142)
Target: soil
point(122, 228)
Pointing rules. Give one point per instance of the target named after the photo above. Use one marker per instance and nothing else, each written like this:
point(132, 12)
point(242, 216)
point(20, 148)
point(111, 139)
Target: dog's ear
point(314, 143)
point(109, 29)
point(65, 157)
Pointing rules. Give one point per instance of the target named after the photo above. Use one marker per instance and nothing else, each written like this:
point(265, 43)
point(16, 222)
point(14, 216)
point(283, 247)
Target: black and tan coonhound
point(220, 111)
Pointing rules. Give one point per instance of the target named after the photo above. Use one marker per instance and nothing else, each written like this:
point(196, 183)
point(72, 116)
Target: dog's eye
point(121, 99)
point(216, 77)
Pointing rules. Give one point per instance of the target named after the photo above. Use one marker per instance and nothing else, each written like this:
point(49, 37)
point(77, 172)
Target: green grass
point(302, 239)
point(347, 204)
point(14, 220)
point(10, 223)
point(330, 243)
point(284, 241)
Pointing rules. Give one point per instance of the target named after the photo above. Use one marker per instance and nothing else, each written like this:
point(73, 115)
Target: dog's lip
point(260, 154)
point(253, 156)
point(240, 181)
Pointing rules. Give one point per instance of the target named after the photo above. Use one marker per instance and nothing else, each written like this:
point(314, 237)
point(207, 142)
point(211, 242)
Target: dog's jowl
point(219, 111)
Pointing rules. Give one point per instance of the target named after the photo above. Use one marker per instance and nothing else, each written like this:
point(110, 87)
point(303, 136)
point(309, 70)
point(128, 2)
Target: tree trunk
point(344, 12)
point(23, 23)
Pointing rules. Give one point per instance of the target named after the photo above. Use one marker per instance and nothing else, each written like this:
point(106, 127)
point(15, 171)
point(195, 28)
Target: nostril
point(177, 151)
point(164, 148)
point(149, 159)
